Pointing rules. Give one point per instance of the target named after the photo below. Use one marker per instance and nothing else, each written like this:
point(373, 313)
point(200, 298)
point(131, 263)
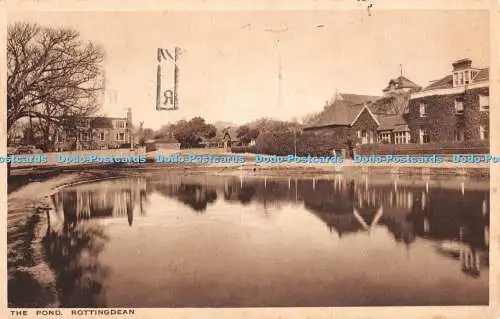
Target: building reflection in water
point(73, 242)
point(454, 219)
point(115, 198)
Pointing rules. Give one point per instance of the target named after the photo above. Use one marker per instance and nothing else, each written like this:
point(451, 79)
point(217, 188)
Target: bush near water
point(284, 143)
point(443, 148)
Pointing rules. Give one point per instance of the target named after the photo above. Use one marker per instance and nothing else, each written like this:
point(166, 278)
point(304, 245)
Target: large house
point(93, 133)
point(454, 108)
point(368, 119)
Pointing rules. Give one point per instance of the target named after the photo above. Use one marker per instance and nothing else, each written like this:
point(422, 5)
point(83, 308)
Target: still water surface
point(234, 241)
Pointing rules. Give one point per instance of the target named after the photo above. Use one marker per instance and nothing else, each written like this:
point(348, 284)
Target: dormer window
point(463, 77)
point(463, 72)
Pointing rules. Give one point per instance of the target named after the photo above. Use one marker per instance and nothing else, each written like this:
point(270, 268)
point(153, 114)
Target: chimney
point(462, 64)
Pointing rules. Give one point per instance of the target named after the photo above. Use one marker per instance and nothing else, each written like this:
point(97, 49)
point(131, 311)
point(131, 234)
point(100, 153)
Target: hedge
point(469, 147)
point(310, 143)
point(284, 143)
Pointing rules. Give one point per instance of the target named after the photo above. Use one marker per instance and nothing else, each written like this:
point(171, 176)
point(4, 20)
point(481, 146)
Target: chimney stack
point(462, 64)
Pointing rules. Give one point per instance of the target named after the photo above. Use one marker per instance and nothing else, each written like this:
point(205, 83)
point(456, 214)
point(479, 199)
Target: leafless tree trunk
point(53, 74)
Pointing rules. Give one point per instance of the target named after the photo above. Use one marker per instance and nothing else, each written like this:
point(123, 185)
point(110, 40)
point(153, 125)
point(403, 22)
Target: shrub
point(151, 147)
point(284, 143)
point(244, 149)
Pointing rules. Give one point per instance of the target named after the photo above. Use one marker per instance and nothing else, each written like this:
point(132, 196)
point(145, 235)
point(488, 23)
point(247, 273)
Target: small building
point(369, 119)
point(346, 117)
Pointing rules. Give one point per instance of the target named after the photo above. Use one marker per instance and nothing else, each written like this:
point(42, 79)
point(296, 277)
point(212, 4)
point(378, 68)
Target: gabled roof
point(369, 112)
point(443, 83)
point(402, 83)
point(447, 81)
point(343, 111)
point(340, 113)
point(101, 122)
point(483, 75)
point(355, 98)
point(391, 123)
point(231, 131)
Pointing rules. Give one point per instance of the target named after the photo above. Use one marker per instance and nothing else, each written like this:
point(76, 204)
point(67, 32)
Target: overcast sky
point(229, 70)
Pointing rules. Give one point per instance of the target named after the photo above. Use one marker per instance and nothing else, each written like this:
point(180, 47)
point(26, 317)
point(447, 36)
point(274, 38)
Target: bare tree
point(52, 75)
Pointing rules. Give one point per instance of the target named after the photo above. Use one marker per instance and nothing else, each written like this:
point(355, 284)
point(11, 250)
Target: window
point(122, 135)
point(483, 132)
point(85, 136)
point(101, 136)
point(401, 137)
point(459, 134)
point(484, 102)
point(463, 77)
point(459, 106)
point(423, 110)
point(120, 124)
point(385, 137)
point(364, 137)
point(359, 134)
point(424, 136)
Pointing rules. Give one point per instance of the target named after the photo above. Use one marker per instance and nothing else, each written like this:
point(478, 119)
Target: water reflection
point(452, 219)
point(113, 198)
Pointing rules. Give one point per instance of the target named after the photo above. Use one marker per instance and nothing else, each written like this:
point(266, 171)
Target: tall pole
point(280, 76)
point(295, 141)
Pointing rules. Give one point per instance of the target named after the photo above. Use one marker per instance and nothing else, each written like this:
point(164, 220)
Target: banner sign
point(167, 75)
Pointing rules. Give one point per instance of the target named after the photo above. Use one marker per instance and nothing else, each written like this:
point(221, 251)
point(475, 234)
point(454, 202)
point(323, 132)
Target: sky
point(230, 64)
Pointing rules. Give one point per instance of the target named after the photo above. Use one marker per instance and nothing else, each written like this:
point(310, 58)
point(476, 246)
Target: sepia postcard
point(239, 159)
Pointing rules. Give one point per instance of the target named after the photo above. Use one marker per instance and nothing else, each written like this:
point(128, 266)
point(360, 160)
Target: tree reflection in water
point(75, 239)
point(456, 222)
point(196, 196)
point(73, 253)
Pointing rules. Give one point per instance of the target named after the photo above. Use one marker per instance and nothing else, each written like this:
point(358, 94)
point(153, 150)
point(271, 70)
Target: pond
point(257, 241)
